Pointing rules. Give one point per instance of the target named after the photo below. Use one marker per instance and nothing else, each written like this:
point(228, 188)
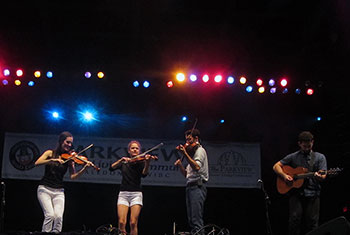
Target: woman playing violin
point(50, 190)
point(130, 195)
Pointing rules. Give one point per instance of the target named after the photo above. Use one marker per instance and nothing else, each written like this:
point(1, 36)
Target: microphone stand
point(2, 205)
point(267, 203)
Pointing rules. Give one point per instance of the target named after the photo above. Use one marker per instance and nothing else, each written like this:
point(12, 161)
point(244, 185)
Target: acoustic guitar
point(299, 174)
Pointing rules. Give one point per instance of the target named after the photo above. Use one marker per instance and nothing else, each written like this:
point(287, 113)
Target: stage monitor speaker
point(337, 226)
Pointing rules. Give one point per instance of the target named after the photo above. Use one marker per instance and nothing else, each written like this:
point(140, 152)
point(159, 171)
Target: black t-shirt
point(131, 176)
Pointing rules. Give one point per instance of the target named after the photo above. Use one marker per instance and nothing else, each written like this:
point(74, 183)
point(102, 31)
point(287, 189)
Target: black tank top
point(54, 172)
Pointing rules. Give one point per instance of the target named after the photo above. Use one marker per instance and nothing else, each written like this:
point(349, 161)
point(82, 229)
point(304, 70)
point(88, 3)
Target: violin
point(141, 158)
point(81, 160)
point(189, 147)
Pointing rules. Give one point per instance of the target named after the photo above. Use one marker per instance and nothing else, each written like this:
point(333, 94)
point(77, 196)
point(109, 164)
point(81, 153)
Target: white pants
point(52, 203)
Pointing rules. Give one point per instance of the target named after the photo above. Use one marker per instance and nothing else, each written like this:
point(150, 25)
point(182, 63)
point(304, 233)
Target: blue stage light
point(136, 84)
point(249, 89)
point(146, 84)
point(230, 80)
point(49, 74)
point(184, 119)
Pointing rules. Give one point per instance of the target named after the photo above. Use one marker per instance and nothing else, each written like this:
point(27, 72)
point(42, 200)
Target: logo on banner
point(231, 164)
point(23, 155)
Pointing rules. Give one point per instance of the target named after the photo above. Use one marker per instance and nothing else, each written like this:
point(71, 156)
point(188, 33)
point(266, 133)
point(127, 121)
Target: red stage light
point(205, 78)
point(19, 72)
point(259, 82)
point(218, 78)
point(284, 82)
point(310, 91)
point(170, 84)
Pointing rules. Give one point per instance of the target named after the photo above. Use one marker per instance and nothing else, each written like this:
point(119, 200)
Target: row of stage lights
point(90, 115)
point(273, 86)
point(19, 76)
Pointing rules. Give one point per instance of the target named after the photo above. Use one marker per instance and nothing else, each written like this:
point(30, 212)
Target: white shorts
point(130, 198)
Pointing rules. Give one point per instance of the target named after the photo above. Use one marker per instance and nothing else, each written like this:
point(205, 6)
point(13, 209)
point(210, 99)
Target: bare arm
point(190, 160)
point(182, 168)
point(279, 171)
point(45, 158)
point(118, 162)
point(73, 173)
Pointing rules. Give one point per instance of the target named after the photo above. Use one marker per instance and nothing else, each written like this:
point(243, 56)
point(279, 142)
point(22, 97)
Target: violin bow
point(149, 150)
point(194, 126)
point(79, 152)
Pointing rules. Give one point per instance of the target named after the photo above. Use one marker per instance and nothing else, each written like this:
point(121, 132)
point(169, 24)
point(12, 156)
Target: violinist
point(50, 191)
point(197, 174)
point(133, 168)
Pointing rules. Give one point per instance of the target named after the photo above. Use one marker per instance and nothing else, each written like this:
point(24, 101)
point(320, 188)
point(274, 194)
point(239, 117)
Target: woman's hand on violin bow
point(125, 159)
point(59, 160)
point(149, 157)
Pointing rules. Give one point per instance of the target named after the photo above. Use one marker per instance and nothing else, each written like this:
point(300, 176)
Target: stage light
point(285, 91)
point(249, 89)
point(87, 74)
point(259, 82)
point(88, 116)
point(205, 78)
point(310, 91)
point(19, 72)
point(318, 119)
point(170, 84)
point(55, 115)
point(272, 82)
point(37, 74)
point(100, 75)
point(297, 91)
point(222, 121)
point(218, 78)
point(261, 89)
point(180, 77)
point(183, 118)
point(243, 80)
point(193, 78)
point(136, 84)
point(273, 90)
point(230, 80)
point(49, 74)
point(284, 82)
point(5, 82)
point(18, 82)
point(31, 83)
point(146, 84)
point(6, 72)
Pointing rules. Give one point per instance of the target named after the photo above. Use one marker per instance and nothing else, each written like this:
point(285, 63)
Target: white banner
point(231, 165)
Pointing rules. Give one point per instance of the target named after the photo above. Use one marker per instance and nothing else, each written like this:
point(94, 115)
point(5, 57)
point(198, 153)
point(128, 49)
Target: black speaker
point(337, 226)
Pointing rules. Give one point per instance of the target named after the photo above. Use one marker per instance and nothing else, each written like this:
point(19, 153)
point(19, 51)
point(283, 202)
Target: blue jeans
point(195, 197)
point(305, 209)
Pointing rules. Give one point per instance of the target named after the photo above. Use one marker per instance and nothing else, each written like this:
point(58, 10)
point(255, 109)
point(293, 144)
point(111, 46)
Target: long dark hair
point(61, 138)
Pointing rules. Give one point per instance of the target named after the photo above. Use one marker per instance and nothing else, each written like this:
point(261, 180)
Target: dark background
point(306, 41)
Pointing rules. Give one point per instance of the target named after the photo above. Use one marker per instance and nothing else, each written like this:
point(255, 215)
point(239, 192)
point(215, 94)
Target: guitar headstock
point(334, 171)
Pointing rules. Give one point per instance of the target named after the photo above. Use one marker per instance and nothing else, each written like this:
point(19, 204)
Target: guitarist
point(304, 202)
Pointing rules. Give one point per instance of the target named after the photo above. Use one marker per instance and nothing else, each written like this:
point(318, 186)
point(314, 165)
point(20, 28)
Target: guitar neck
point(304, 175)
